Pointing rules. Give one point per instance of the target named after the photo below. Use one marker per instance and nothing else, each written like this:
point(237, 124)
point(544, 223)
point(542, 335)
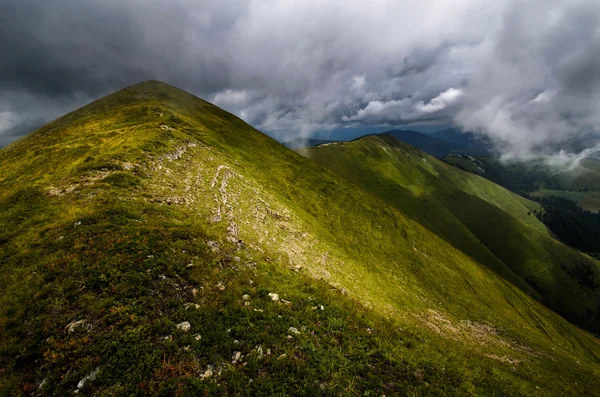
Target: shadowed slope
point(484, 220)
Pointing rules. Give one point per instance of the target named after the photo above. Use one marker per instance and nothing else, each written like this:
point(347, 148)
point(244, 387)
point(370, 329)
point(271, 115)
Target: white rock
point(197, 336)
point(294, 330)
point(184, 326)
point(245, 297)
point(89, 377)
point(71, 327)
point(274, 297)
point(213, 245)
point(236, 357)
point(210, 370)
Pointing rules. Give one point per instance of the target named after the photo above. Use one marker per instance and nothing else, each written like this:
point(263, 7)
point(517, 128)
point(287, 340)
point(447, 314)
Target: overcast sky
point(524, 73)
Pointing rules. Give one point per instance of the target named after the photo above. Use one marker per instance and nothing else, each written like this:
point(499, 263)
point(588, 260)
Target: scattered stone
point(237, 259)
point(282, 356)
point(290, 337)
point(236, 357)
point(77, 224)
point(321, 307)
point(210, 370)
point(294, 330)
point(245, 297)
point(197, 336)
point(71, 327)
point(259, 351)
point(184, 326)
point(167, 338)
point(344, 292)
point(274, 297)
point(88, 378)
point(213, 245)
point(194, 291)
point(190, 265)
point(220, 286)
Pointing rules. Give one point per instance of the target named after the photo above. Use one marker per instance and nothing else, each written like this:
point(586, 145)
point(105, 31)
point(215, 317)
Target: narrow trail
point(222, 200)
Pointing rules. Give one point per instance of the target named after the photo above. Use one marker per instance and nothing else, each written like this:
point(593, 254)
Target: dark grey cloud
point(524, 73)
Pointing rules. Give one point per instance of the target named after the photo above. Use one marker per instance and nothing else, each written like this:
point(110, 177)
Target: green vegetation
point(483, 220)
point(586, 200)
point(573, 225)
point(150, 211)
point(571, 198)
point(536, 178)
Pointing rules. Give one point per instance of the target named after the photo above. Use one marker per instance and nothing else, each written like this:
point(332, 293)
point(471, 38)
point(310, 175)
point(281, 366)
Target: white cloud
point(524, 73)
point(8, 121)
point(230, 97)
point(440, 102)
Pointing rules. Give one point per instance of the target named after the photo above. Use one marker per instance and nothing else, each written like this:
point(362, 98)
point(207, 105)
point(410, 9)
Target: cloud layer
point(524, 73)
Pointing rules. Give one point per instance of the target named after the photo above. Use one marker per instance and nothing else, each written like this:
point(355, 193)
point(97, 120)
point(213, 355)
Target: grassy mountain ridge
point(537, 178)
point(151, 208)
point(498, 228)
point(570, 197)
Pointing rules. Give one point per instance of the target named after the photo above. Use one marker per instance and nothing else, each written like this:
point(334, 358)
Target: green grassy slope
point(484, 220)
point(589, 201)
point(581, 185)
point(151, 208)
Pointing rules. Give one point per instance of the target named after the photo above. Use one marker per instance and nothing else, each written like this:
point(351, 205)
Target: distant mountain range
point(443, 143)
point(438, 144)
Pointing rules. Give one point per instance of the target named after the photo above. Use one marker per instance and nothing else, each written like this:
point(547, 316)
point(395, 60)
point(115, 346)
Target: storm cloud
point(526, 74)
